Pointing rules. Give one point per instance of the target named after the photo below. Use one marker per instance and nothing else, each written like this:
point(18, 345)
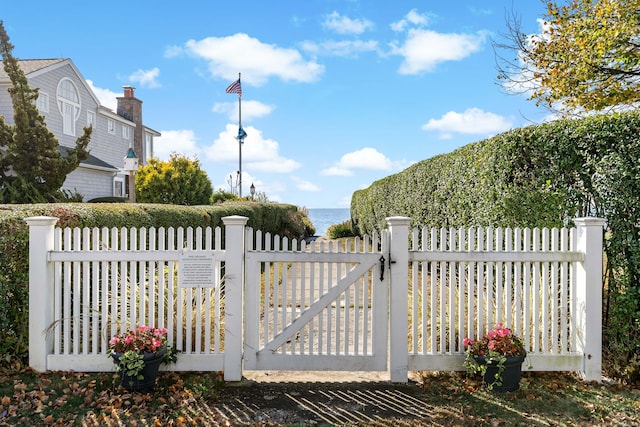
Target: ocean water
point(323, 218)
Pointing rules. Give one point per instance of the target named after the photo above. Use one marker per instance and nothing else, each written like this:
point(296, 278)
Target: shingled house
point(68, 104)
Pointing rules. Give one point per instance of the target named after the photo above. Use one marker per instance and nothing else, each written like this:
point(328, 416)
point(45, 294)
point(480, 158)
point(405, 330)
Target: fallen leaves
point(190, 399)
point(67, 398)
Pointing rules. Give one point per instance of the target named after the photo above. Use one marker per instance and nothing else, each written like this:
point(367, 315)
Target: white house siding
point(90, 183)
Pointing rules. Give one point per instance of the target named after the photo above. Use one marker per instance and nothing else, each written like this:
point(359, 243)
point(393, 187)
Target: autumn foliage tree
point(587, 57)
point(178, 181)
point(32, 168)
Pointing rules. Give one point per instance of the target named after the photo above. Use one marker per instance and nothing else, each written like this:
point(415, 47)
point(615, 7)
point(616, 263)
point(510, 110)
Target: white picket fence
point(540, 283)
point(402, 301)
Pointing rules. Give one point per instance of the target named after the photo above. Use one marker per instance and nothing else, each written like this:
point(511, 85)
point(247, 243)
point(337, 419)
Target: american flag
point(235, 87)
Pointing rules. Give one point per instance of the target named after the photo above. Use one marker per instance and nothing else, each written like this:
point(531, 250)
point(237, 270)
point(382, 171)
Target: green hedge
point(282, 219)
point(478, 184)
point(537, 176)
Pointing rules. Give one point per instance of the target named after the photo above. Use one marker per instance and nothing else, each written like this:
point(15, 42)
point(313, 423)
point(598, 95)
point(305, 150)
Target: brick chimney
point(130, 108)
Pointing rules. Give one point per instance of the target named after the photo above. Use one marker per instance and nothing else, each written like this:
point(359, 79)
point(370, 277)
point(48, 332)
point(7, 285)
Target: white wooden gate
point(317, 306)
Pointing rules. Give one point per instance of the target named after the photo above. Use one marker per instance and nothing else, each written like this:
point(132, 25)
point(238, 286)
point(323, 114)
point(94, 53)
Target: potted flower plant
point(498, 356)
point(138, 354)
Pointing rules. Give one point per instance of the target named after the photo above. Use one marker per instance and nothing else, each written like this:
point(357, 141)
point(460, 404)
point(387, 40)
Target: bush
point(343, 229)
point(222, 196)
point(111, 199)
point(14, 290)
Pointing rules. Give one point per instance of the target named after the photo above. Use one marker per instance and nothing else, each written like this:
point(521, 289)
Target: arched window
point(69, 105)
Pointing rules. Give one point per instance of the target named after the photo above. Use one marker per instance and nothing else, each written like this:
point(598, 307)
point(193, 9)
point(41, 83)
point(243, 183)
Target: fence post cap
point(41, 220)
point(398, 220)
point(590, 220)
point(235, 220)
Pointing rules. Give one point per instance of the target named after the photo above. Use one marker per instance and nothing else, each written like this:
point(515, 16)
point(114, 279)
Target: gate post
point(399, 298)
point(589, 296)
point(41, 230)
point(233, 284)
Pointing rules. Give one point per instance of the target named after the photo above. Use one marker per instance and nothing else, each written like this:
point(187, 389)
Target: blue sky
point(336, 94)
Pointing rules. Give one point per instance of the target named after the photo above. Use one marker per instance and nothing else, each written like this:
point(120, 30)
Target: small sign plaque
point(196, 270)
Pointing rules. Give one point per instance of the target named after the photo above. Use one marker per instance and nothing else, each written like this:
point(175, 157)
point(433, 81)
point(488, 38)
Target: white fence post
point(40, 290)
point(233, 285)
point(589, 296)
point(398, 263)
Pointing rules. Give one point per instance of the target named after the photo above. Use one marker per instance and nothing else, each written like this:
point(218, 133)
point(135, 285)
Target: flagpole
point(236, 87)
point(239, 143)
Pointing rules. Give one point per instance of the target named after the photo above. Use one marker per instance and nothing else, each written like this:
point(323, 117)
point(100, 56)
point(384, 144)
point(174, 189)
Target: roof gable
point(30, 66)
point(36, 67)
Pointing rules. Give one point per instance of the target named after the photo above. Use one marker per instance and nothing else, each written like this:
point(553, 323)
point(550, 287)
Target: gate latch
point(382, 260)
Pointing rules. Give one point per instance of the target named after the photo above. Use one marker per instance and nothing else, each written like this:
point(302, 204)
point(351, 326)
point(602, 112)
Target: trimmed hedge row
point(537, 176)
point(478, 184)
point(282, 219)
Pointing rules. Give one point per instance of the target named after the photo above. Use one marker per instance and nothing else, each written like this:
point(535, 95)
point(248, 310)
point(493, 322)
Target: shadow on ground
point(329, 403)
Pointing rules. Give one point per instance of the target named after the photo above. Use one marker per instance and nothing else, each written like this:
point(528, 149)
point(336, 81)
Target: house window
point(91, 119)
point(148, 146)
point(118, 187)
point(43, 102)
point(111, 126)
point(68, 105)
point(125, 132)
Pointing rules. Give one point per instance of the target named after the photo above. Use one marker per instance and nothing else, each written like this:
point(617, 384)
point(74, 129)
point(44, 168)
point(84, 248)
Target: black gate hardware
point(382, 260)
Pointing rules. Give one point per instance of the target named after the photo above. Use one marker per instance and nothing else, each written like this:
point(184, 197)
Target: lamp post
point(252, 189)
point(131, 165)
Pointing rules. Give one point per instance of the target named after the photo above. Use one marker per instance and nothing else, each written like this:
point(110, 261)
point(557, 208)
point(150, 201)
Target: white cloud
point(345, 25)
point(173, 51)
point(344, 48)
point(107, 97)
point(522, 79)
point(148, 78)
point(480, 11)
point(423, 50)
point(366, 158)
point(256, 60)
point(471, 121)
point(250, 109)
point(411, 18)
point(183, 142)
point(303, 185)
point(258, 153)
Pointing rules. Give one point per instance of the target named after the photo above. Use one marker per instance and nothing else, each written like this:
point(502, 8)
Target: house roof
point(30, 66)
point(35, 67)
point(96, 162)
point(91, 161)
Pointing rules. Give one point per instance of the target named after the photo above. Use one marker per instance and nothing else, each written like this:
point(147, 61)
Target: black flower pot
point(149, 372)
point(510, 380)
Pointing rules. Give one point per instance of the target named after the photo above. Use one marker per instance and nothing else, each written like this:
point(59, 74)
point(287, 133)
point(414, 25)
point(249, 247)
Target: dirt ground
point(321, 398)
